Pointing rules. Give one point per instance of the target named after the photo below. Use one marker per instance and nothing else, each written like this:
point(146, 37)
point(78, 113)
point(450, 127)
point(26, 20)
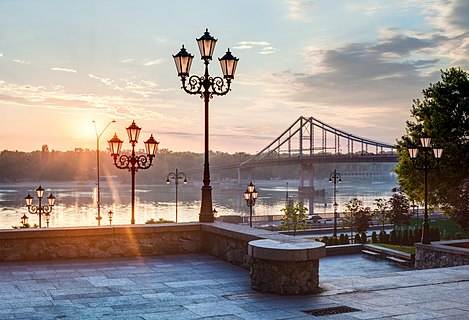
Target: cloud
point(63, 70)
point(298, 9)
point(56, 98)
point(1, 54)
point(21, 61)
point(149, 62)
point(128, 60)
point(265, 47)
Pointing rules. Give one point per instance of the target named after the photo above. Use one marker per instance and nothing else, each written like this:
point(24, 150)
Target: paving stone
point(197, 286)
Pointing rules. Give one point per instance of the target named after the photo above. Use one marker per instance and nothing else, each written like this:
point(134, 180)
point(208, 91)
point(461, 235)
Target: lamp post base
point(206, 212)
point(425, 233)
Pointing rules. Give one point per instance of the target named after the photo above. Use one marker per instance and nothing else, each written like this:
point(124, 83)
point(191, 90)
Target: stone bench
point(285, 266)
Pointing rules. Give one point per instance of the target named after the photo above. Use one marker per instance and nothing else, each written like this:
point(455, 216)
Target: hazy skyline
point(355, 65)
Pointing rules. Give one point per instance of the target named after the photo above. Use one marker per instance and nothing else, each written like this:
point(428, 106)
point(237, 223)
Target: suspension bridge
point(309, 141)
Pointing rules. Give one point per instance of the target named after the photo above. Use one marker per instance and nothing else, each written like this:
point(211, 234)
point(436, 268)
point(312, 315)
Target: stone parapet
point(442, 254)
point(98, 242)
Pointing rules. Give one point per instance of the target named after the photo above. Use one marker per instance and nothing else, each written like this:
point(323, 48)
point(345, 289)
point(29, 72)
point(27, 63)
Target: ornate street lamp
point(206, 86)
point(335, 178)
point(40, 209)
point(98, 200)
point(176, 176)
point(250, 195)
point(109, 215)
point(426, 163)
point(134, 162)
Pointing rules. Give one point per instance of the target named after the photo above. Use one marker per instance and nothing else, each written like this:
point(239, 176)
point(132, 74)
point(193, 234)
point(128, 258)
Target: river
point(76, 202)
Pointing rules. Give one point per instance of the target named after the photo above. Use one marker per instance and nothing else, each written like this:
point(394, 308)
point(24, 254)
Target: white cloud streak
point(64, 70)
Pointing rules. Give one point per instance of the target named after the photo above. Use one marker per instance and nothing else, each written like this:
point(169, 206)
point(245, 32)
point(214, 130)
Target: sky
point(355, 64)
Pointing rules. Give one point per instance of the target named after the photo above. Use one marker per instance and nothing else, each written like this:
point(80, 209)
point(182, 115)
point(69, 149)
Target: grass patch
point(407, 249)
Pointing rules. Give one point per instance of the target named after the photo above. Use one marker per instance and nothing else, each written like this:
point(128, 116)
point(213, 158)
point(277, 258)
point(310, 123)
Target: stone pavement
point(197, 286)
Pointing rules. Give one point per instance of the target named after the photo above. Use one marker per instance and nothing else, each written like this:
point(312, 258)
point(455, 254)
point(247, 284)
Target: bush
point(394, 237)
point(418, 235)
point(363, 237)
point(325, 239)
point(357, 239)
point(333, 241)
point(374, 237)
point(383, 237)
point(458, 235)
point(343, 239)
point(405, 238)
point(434, 234)
point(160, 220)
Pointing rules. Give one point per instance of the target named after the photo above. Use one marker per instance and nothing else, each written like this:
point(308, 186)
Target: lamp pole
point(335, 177)
point(176, 176)
point(425, 164)
point(39, 209)
point(134, 162)
point(250, 195)
point(98, 198)
point(206, 86)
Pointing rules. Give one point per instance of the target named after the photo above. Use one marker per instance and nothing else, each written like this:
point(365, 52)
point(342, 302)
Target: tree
point(294, 217)
point(358, 217)
point(399, 208)
point(381, 212)
point(458, 210)
point(444, 115)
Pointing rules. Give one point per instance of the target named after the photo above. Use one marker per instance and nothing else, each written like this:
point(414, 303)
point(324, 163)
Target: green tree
point(444, 115)
point(399, 208)
point(357, 216)
point(294, 217)
point(381, 212)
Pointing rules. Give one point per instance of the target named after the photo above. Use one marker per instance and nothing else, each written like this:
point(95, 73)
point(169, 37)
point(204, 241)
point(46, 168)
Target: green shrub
point(357, 239)
point(458, 235)
point(383, 237)
point(394, 237)
point(325, 239)
point(343, 239)
point(374, 237)
point(405, 237)
point(363, 237)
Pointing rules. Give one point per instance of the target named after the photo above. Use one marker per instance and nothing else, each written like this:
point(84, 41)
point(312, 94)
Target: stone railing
point(442, 254)
point(225, 241)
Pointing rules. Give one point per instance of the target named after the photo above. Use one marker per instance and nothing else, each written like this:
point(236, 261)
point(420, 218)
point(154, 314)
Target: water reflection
point(76, 203)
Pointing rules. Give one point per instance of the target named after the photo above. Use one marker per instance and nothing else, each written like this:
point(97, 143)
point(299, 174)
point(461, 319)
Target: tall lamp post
point(335, 178)
point(426, 163)
point(250, 195)
point(98, 198)
point(134, 162)
point(206, 86)
point(176, 176)
point(40, 209)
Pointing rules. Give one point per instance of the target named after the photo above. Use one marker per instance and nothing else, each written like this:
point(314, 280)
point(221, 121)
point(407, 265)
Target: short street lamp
point(206, 86)
point(98, 198)
point(415, 211)
point(24, 220)
point(426, 163)
point(335, 177)
point(134, 162)
point(250, 195)
point(39, 209)
point(176, 176)
point(110, 214)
